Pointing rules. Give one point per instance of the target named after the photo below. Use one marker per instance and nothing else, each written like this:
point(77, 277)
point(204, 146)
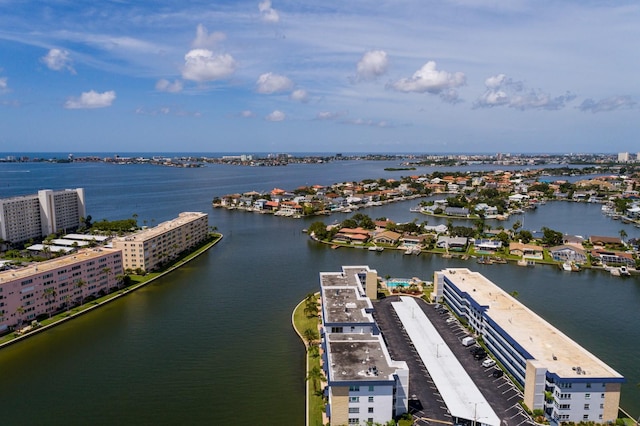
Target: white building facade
point(559, 376)
point(35, 216)
point(365, 386)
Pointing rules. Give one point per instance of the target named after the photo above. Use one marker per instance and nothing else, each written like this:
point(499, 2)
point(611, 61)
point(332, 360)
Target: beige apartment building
point(37, 215)
point(149, 248)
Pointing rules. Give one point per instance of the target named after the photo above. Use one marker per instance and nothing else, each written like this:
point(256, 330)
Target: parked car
point(480, 355)
point(488, 363)
point(497, 373)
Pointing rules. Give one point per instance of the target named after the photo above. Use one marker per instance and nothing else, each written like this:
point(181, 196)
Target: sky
point(400, 76)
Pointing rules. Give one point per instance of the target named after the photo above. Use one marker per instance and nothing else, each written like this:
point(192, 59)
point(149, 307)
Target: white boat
point(566, 266)
point(624, 271)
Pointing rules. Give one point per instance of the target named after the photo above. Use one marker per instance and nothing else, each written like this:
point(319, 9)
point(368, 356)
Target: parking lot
point(425, 403)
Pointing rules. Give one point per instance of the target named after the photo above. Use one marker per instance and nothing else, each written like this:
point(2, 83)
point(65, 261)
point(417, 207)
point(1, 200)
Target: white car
point(488, 363)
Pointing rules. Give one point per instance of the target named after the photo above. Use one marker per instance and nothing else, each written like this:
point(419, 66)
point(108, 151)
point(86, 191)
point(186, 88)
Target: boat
point(485, 261)
point(525, 262)
point(566, 266)
point(408, 251)
point(500, 260)
point(376, 248)
point(624, 272)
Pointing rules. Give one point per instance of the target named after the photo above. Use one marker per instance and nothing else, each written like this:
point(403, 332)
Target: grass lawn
point(302, 322)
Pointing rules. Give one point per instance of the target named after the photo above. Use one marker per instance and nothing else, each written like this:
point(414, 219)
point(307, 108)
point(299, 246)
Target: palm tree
point(315, 375)
point(623, 235)
point(49, 293)
point(310, 335)
point(20, 312)
point(80, 285)
point(107, 271)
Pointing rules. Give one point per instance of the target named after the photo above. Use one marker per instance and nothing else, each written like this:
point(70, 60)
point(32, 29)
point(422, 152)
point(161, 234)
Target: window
point(587, 396)
point(588, 385)
point(371, 388)
point(354, 410)
point(601, 395)
point(586, 406)
point(601, 406)
point(585, 417)
point(370, 409)
point(354, 399)
point(354, 388)
point(370, 399)
point(354, 421)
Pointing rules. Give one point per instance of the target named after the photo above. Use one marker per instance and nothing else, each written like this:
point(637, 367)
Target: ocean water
point(212, 343)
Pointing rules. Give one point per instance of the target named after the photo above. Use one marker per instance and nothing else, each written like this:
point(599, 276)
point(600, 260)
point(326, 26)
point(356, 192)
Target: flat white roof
point(545, 343)
point(70, 243)
point(459, 392)
point(52, 248)
point(86, 237)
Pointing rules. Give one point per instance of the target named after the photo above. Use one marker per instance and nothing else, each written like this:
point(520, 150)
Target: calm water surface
point(212, 343)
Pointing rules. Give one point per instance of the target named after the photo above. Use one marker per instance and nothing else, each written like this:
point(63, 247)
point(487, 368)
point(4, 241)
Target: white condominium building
point(365, 386)
point(38, 215)
point(149, 248)
point(559, 376)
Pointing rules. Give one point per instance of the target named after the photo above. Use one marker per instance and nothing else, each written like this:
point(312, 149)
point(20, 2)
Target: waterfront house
point(411, 241)
point(488, 245)
point(566, 253)
point(602, 241)
point(526, 250)
point(611, 257)
point(453, 243)
point(387, 237)
point(456, 211)
point(356, 235)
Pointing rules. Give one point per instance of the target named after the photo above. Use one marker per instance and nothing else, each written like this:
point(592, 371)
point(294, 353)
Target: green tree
point(310, 335)
point(623, 235)
point(551, 237)
point(525, 236)
point(80, 284)
point(315, 375)
point(516, 225)
point(49, 294)
point(319, 230)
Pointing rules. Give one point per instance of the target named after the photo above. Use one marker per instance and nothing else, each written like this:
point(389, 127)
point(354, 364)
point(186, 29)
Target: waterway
point(212, 343)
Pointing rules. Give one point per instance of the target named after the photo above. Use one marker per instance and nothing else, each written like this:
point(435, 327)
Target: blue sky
point(331, 76)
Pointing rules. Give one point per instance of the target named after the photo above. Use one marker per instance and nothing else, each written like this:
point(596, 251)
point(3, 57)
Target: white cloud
point(503, 91)
point(3, 84)
point(372, 65)
point(58, 60)
point(369, 123)
point(429, 79)
point(91, 99)
point(608, 104)
point(267, 13)
point(300, 95)
point(202, 65)
point(246, 114)
point(329, 115)
point(204, 39)
point(164, 85)
point(276, 116)
point(273, 83)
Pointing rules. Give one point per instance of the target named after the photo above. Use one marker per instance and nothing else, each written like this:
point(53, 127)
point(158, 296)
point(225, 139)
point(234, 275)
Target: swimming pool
point(397, 282)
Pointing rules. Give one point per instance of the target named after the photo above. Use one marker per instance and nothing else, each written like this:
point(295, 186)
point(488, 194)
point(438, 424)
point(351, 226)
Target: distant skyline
point(334, 76)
